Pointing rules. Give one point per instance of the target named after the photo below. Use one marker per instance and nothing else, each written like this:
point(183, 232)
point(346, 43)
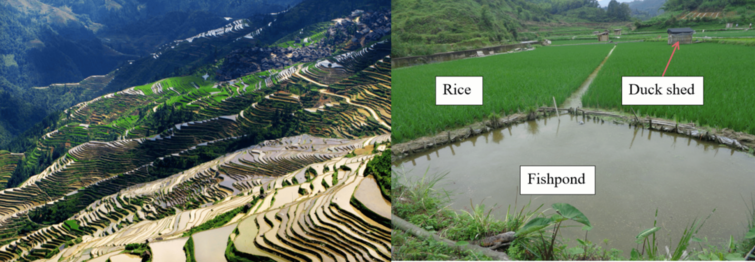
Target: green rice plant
point(512, 83)
point(727, 76)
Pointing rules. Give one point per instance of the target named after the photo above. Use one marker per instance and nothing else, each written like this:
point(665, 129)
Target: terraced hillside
point(280, 209)
point(8, 163)
point(150, 155)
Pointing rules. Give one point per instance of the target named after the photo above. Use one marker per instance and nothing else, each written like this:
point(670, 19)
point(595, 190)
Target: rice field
point(727, 33)
point(576, 42)
point(512, 82)
point(728, 77)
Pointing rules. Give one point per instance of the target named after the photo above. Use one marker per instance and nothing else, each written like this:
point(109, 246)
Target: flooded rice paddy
point(170, 250)
point(638, 171)
point(368, 193)
point(210, 245)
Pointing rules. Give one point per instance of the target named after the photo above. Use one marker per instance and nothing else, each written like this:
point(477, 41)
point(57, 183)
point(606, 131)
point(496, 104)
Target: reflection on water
point(532, 127)
point(681, 177)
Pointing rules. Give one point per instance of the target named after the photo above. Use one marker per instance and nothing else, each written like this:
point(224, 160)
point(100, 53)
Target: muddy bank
point(738, 140)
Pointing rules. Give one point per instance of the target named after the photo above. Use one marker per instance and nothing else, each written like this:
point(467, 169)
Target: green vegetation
point(8, 163)
point(512, 84)
point(575, 42)
point(138, 249)
point(310, 174)
point(222, 219)
point(189, 250)
point(726, 78)
point(380, 167)
point(419, 202)
point(447, 25)
point(688, 13)
point(315, 32)
point(325, 184)
point(22, 228)
point(426, 206)
point(71, 224)
point(219, 120)
point(706, 5)
point(409, 248)
point(433, 28)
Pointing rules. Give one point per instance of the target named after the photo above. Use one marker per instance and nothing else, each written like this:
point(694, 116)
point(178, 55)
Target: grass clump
point(412, 248)
point(220, 220)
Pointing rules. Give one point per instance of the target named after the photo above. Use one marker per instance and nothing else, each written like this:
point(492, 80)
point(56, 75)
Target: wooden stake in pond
point(556, 106)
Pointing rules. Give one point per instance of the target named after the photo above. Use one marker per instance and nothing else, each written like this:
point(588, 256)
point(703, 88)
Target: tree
point(624, 12)
point(612, 9)
point(618, 11)
point(485, 14)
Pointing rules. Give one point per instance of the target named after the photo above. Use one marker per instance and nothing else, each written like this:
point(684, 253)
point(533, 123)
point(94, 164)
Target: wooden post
point(556, 106)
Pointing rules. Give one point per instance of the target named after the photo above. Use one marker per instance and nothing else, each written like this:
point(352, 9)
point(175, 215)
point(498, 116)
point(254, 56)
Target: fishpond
point(637, 172)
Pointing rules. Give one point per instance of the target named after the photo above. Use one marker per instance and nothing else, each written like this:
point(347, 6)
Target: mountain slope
point(64, 41)
point(259, 31)
point(424, 28)
point(161, 129)
point(646, 9)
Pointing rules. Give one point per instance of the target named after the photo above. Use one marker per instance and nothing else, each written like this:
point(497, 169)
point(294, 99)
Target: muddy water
point(368, 193)
point(210, 245)
point(637, 171)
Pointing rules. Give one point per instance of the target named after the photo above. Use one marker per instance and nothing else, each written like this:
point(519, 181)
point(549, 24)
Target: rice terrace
point(250, 156)
point(671, 181)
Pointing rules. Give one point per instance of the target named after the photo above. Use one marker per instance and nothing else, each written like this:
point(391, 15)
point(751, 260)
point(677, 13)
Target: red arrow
point(676, 46)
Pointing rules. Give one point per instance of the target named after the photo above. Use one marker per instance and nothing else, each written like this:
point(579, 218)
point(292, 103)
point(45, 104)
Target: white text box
point(458, 90)
point(557, 180)
point(657, 90)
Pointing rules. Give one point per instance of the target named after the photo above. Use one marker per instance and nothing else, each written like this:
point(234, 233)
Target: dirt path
point(348, 100)
point(575, 100)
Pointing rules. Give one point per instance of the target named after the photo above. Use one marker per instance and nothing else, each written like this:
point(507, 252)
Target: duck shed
point(617, 32)
point(681, 35)
point(603, 37)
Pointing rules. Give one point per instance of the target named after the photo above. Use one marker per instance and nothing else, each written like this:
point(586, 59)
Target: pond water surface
point(637, 172)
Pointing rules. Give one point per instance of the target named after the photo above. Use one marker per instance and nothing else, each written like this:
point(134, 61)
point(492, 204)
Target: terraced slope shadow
point(163, 211)
point(146, 137)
